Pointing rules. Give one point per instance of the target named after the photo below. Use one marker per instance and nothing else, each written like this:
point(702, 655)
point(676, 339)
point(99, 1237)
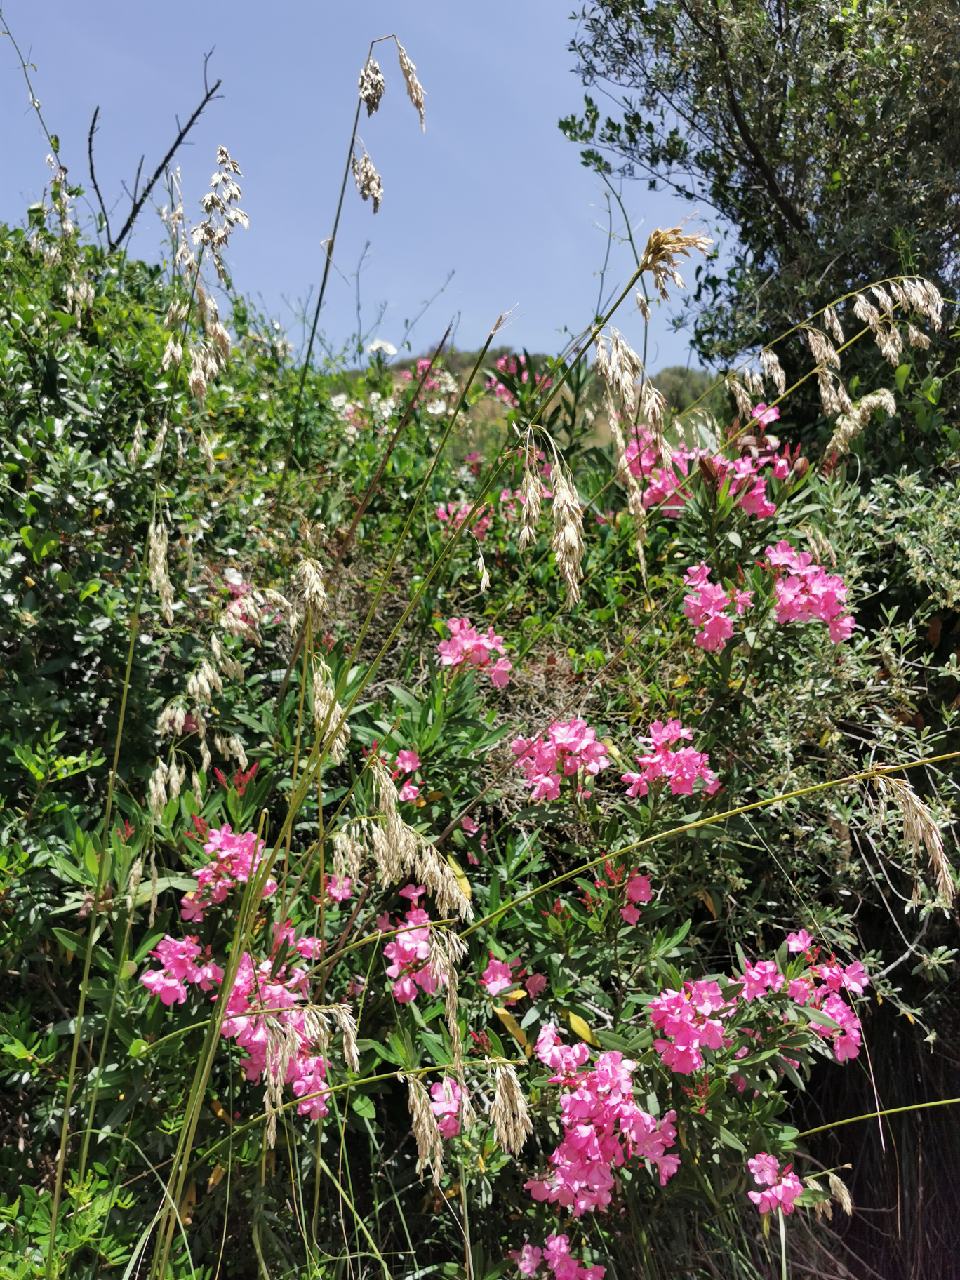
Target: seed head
point(368, 180)
point(372, 85)
point(414, 87)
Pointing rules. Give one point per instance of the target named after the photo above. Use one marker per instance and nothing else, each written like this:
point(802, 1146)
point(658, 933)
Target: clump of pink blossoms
point(691, 1020)
point(557, 1258)
point(257, 987)
point(708, 606)
point(408, 762)
point(455, 513)
point(498, 975)
point(445, 1103)
point(568, 747)
point(237, 857)
point(778, 1189)
point(602, 1125)
point(666, 476)
point(467, 647)
point(680, 768)
point(408, 952)
point(806, 593)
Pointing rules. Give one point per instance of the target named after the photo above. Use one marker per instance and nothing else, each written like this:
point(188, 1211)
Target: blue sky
point(492, 191)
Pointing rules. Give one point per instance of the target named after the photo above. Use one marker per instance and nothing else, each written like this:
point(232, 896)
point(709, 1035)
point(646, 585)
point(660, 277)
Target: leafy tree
point(825, 136)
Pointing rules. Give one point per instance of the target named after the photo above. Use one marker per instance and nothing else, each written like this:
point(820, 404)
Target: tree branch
point(210, 92)
point(93, 173)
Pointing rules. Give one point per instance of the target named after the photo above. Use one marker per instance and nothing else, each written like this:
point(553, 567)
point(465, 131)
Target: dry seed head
point(313, 592)
point(371, 85)
point(282, 1046)
point(773, 370)
point(821, 348)
point(157, 789)
point(741, 395)
point(482, 570)
point(425, 1131)
point(509, 1114)
point(832, 323)
point(884, 301)
point(663, 252)
point(446, 952)
point(348, 850)
point(567, 531)
point(171, 720)
point(840, 1192)
point(849, 425)
point(328, 716)
point(368, 181)
point(652, 406)
point(920, 831)
point(530, 497)
point(221, 204)
point(620, 368)
point(414, 87)
point(917, 339)
point(157, 568)
point(833, 394)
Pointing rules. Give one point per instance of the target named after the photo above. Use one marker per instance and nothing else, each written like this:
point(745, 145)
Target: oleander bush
point(460, 817)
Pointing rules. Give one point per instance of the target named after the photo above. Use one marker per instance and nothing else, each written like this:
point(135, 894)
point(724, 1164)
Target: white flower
point(436, 407)
point(381, 344)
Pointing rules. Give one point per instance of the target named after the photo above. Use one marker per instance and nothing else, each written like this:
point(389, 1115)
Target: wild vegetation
point(470, 819)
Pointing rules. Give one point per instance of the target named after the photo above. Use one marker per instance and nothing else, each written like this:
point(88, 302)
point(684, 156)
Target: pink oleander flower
point(455, 513)
point(805, 592)
point(408, 761)
point(468, 825)
point(498, 976)
point(691, 1020)
point(567, 748)
point(602, 1127)
point(339, 888)
point(759, 978)
point(778, 1189)
point(445, 1103)
point(680, 768)
point(708, 607)
point(764, 414)
point(408, 951)
point(409, 791)
point(638, 891)
point(467, 647)
point(799, 941)
point(236, 857)
point(535, 985)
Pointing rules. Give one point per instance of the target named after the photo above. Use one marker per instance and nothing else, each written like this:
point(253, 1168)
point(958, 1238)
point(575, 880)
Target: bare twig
point(93, 173)
point(209, 93)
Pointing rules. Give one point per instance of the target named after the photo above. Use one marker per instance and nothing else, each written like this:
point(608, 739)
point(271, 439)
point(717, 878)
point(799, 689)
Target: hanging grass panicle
point(157, 568)
point(407, 852)
point(832, 323)
point(840, 1193)
point(231, 749)
point(414, 87)
point(482, 573)
point(920, 832)
point(773, 370)
point(221, 205)
point(833, 394)
point(446, 952)
point(821, 348)
point(849, 425)
point(425, 1131)
point(165, 784)
point(741, 395)
point(328, 717)
point(567, 531)
point(509, 1115)
point(530, 498)
point(321, 1021)
point(311, 586)
point(371, 85)
point(620, 368)
point(368, 181)
point(663, 252)
point(283, 1044)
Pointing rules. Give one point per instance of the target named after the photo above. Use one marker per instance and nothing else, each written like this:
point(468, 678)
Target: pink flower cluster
point(467, 647)
point(179, 969)
point(778, 1189)
point(262, 992)
point(514, 367)
point(708, 607)
point(423, 364)
point(680, 768)
point(408, 762)
point(557, 1258)
point(602, 1125)
point(806, 593)
point(409, 950)
point(568, 747)
point(445, 1103)
point(237, 857)
point(498, 975)
point(665, 480)
point(638, 891)
point(691, 1020)
point(455, 513)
